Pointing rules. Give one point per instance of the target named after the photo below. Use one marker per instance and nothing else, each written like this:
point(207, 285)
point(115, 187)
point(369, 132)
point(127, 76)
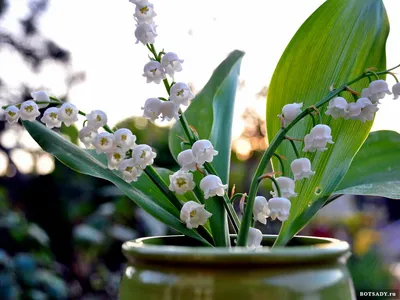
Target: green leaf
point(143, 192)
point(211, 114)
point(336, 44)
point(375, 169)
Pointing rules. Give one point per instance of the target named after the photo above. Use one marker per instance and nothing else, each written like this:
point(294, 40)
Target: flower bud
point(115, 158)
point(203, 151)
point(194, 214)
point(169, 111)
point(12, 114)
point(261, 210)
point(317, 139)
point(152, 109)
point(104, 142)
point(255, 238)
point(396, 90)
point(181, 94)
point(50, 117)
point(29, 111)
point(129, 170)
point(171, 63)
point(181, 182)
point(96, 119)
point(144, 12)
point(280, 208)
point(286, 186)
point(87, 135)
point(143, 155)
point(212, 185)
point(337, 108)
point(68, 114)
point(186, 160)
point(378, 89)
point(41, 96)
point(145, 33)
point(301, 168)
point(154, 72)
point(290, 112)
point(124, 139)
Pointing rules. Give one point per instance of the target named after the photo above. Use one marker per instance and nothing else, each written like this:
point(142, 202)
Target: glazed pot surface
point(173, 268)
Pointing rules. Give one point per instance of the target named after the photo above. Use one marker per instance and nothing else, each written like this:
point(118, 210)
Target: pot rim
point(311, 250)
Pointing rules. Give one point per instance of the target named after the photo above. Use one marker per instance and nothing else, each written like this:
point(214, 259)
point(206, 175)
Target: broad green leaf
point(143, 193)
point(336, 44)
point(375, 169)
point(211, 114)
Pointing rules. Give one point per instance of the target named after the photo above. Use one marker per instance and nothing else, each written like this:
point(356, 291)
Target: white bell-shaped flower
point(87, 135)
point(261, 210)
point(125, 139)
point(353, 111)
point(154, 72)
point(143, 155)
point(169, 111)
point(181, 182)
point(144, 12)
point(12, 114)
point(280, 208)
point(129, 171)
point(115, 158)
point(104, 142)
point(286, 186)
point(337, 108)
point(29, 111)
point(68, 114)
point(194, 214)
point(255, 238)
point(171, 63)
point(145, 33)
point(365, 93)
point(96, 119)
point(396, 90)
point(290, 112)
point(50, 117)
point(41, 96)
point(186, 160)
point(367, 110)
point(181, 94)
point(203, 151)
point(212, 185)
point(152, 109)
point(317, 139)
point(137, 2)
point(301, 168)
point(378, 90)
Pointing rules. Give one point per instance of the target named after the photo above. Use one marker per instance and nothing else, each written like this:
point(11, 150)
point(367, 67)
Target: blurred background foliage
point(61, 232)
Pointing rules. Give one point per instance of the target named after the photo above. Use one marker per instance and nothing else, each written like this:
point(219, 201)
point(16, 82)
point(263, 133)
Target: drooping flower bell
point(104, 142)
point(203, 151)
point(50, 117)
point(280, 208)
point(143, 155)
point(12, 114)
point(87, 135)
point(194, 214)
point(337, 108)
point(317, 139)
point(68, 114)
point(144, 12)
point(290, 112)
point(124, 139)
point(169, 111)
point(29, 111)
point(154, 72)
point(353, 111)
point(255, 238)
point(301, 168)
point(96, 119)
point(186, 160)
point(41, 96)
point(181, 94)
point(152, 109)
point(396, 90)
point(145, 33)
point(129, 170)
point(181, 182)
point(212, 185)
point(261, 210)
point(378, 90)
point(115, 158)
point(367, 110)
point(286, 186)
point(171, 63)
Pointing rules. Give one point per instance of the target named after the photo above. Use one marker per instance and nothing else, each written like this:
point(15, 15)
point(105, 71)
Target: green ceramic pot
point(175, 268)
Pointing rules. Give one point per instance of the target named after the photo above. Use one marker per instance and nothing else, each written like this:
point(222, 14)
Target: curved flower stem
point(236, 196)
point(281, 163)
point(278, 139)
point(294, 148)
point(394, 76)
point(267, 176)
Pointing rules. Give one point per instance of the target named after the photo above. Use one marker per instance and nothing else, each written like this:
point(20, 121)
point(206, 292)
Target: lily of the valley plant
point(190, 199)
